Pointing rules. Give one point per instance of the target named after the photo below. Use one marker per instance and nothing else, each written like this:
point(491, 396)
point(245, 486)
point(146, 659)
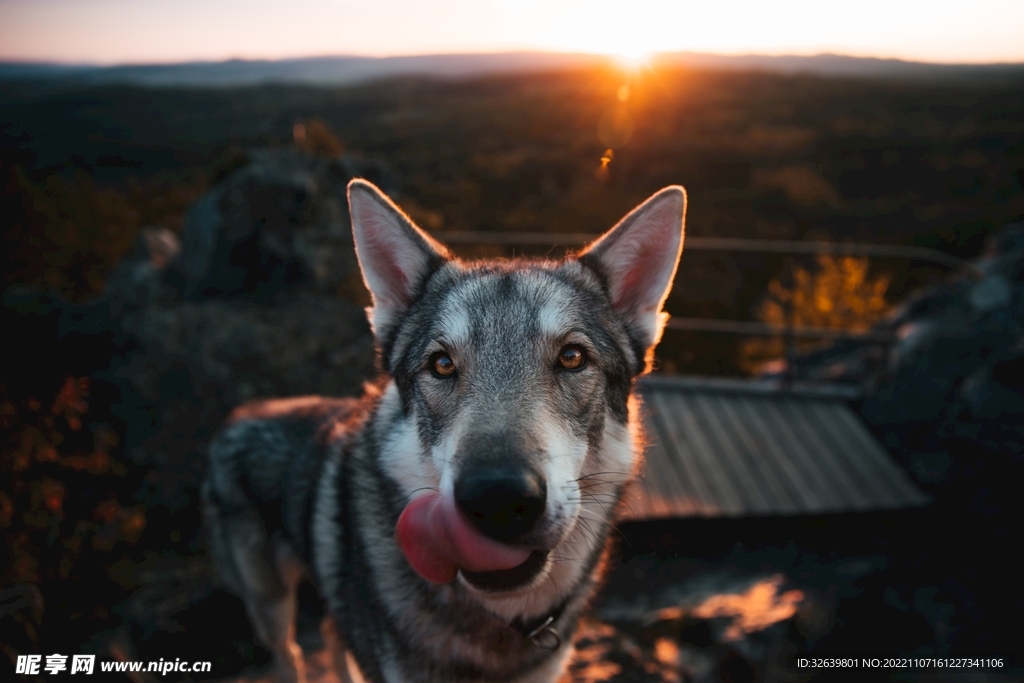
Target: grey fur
point(318, 484)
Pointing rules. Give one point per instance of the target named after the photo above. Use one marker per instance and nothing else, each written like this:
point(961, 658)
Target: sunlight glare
point(633, 60)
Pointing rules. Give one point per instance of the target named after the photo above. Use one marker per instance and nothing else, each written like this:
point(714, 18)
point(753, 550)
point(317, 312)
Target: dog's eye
point(572, 357)
point(442, 365)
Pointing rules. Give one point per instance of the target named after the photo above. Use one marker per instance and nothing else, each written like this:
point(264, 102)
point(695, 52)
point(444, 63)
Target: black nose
point(504, 503)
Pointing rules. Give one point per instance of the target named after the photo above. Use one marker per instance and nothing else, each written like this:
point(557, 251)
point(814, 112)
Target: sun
point(633, 52)
point(632, 60)
point(608, 27)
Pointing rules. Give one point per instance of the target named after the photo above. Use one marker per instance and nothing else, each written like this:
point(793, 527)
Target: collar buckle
point(545, 637)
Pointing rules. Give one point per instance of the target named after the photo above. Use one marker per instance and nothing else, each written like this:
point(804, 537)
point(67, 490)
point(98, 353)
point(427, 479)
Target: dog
point(455, 519)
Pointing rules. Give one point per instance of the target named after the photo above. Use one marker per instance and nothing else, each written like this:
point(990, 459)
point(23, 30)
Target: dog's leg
point(552, 670)
point(341, 658)
point(269, 586)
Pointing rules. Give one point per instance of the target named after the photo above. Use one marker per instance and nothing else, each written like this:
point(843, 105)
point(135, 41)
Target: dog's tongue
point(438, 541)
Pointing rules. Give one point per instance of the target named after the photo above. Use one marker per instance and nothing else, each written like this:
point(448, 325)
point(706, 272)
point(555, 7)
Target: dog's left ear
point(395, 256)
point(638, 258)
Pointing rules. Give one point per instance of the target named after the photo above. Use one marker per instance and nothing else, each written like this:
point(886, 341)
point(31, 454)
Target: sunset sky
point(120, 31)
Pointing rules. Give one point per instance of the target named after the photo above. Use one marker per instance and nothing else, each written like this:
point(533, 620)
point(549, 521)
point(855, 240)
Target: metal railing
point(575, 239)
point(750, 328)
point(756, 329)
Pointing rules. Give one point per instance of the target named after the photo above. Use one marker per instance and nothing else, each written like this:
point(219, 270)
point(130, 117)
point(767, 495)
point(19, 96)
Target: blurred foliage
point(317, 138)
point(66, 232)
point(838, 293)
point(65, 513)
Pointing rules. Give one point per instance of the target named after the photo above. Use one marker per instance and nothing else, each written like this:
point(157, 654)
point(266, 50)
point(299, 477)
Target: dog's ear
point(638, 258)
point(394, 255)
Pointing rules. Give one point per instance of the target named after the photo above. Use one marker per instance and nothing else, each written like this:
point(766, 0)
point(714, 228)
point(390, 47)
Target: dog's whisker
point(603, 484)
point(604, 520)
point(628, 475)
point(412, 494)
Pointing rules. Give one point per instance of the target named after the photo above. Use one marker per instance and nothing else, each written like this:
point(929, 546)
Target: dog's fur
point(317, 483)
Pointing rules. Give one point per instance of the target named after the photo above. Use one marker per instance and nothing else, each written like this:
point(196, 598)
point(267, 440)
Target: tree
point(838, 293)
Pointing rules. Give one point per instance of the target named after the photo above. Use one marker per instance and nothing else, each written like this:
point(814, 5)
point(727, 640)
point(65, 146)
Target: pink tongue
point(438, 541)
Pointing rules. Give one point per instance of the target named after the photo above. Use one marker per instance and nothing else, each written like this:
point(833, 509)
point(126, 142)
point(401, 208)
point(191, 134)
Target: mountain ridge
point(350, 70)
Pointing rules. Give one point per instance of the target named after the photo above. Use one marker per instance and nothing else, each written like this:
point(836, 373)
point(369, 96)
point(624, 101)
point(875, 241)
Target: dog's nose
point(504, 503)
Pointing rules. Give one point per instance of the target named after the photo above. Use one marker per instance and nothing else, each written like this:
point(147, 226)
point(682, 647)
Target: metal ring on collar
point(545, 637)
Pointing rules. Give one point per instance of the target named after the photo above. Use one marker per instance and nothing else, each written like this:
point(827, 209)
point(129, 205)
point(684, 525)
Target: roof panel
point(809, 433)
point(853, 454)
point(880, 464)
point(749, 438)
point(719, 450)
point(673, 441)
point(658, 487)
point(694, 440)
point(801, 495)
point(731, 456)
point(828, 495)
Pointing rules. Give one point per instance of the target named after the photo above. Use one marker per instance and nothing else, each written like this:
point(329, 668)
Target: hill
point(347, 70)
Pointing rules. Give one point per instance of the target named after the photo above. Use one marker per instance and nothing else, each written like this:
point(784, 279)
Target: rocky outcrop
point(280, 221)
point(949, 392)
point(261, 296)
point(959, 359)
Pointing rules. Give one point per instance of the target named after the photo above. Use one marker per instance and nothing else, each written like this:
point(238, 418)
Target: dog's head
point(512, 429)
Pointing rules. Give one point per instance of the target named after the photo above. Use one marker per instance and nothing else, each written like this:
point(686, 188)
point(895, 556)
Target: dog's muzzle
point(483, 531)
point(503, 503)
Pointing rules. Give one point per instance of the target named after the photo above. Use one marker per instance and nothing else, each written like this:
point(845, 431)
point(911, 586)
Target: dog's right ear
point(638, 259)
point(394, 255)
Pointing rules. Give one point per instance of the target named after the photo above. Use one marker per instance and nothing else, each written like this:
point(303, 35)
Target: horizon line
point(654, 54)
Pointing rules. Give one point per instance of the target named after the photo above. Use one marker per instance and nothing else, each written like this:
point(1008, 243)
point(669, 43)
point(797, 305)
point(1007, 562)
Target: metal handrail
point(756, 329)
point(573, 239)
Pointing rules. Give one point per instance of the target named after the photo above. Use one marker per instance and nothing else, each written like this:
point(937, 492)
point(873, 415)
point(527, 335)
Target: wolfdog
point(456, 518)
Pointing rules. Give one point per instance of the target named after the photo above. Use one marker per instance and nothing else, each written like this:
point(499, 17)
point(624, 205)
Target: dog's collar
point(541, 631)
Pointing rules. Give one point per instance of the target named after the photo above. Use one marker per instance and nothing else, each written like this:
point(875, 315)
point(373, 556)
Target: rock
point(261, 297)
point(991, 293)
point(279, 221)
point(139, 280)
point(951, 340)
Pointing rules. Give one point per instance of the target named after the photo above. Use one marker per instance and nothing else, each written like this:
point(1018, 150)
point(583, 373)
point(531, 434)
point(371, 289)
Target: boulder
point(261, 296)
point(279, 221)
point(954, 367)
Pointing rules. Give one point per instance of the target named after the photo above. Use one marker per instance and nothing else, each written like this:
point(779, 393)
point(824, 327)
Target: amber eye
point(442, 365)
point(572, 357)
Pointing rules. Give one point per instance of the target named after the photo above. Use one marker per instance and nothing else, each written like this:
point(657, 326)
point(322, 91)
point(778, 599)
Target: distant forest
point(934, 162)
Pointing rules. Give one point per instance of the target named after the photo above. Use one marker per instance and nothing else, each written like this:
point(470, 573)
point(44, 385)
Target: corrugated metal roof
point(735, 448)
